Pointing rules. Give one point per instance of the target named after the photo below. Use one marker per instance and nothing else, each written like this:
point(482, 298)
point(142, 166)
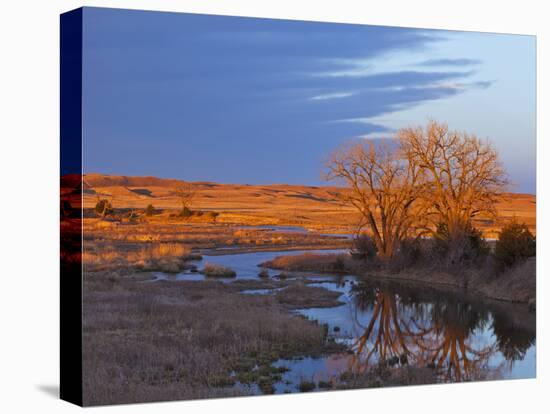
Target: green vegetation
point(463, 248)
point(515, 244)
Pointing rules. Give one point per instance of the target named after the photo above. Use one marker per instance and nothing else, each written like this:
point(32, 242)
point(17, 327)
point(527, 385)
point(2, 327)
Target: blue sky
point(260, 101)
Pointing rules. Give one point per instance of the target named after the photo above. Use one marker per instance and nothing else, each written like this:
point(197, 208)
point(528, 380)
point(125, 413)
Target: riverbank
point(517, 284)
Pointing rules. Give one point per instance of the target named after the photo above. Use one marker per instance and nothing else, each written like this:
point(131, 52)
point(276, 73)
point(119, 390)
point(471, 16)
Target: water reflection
point(456, 337)
point(384, 336)
point(512, 339)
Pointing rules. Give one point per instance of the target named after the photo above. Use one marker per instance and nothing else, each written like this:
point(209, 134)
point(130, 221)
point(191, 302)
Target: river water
point(462, 337)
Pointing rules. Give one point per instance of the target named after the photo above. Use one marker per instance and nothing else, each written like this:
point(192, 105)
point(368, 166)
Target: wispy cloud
point(386, 135)
point(450, 62)
point(460, 86)
point(360, 120)
point(335, 95)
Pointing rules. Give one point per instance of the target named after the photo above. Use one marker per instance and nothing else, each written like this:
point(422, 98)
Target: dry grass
point(517, 284)
point(202, 235)
point(298, 296)
point(98, 256)
point(327, 263)
point(214, 270)
point(384, 376)
point(169, 341)
point(168, 249)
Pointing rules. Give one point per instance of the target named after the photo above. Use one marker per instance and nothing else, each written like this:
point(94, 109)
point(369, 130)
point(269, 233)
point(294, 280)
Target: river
point(465, 338)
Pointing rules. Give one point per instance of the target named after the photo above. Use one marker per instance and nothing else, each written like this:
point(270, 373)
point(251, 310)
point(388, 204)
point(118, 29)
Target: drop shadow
point(50, 389)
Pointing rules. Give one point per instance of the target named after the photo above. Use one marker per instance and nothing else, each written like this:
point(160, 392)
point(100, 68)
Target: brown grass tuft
point(214, 270)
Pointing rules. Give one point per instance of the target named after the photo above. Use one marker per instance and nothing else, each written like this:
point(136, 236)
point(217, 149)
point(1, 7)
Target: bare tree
point(464, 173)
point(383, 187)
point(185, 192)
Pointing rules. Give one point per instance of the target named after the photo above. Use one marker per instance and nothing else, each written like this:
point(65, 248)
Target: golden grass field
point(315, 208)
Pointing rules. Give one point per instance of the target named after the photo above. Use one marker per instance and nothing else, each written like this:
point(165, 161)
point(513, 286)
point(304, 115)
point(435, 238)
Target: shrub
point(213, 215)
point(132, 216)
point(466, 248)
point(66, 208)
point(186, 212)
point(406, 255)
point(313, 262)
point(339, 264)
point(324, 385)
point(306, 386)
point(149, 210)
point(263, 274)
point(103, 207)
point(515, 243)
point(214, 270)
point(363, 247)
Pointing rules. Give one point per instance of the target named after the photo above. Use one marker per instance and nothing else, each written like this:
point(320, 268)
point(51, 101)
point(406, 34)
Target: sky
point(264, 101)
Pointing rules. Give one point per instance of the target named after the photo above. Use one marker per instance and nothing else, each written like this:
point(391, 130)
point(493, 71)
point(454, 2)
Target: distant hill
point(310, 206)
point(102, 180)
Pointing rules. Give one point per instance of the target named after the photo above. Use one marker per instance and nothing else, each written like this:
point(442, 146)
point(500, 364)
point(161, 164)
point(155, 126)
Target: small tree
point(103, 207)
point(149, 210)
point(186, 193)
point(515, 243)
point(185, 212)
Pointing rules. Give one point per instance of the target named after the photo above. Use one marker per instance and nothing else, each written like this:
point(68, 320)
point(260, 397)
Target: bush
point(186, 212)
point(407, 254)
point(103, 207)
point(515, 243)
point(214, 270)
point(149, 210)
point(467, 248)
point(212, 215)
point(66, 208)
point(132, 216)
point(263, 274)
point(306, 386)
point(363, 247)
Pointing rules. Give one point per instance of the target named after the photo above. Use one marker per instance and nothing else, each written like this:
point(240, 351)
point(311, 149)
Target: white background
point(29, 163)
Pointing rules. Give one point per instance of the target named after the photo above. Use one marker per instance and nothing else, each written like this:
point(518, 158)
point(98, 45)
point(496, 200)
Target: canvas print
point(258, 206)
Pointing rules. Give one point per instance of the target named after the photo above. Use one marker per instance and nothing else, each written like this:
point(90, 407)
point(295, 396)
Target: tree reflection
point(512, 340)
point(445, 341)
point(441, 334)
point(384, 336)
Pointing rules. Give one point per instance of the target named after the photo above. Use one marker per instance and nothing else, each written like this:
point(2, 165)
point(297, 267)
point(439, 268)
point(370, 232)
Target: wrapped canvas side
point(71, 206)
